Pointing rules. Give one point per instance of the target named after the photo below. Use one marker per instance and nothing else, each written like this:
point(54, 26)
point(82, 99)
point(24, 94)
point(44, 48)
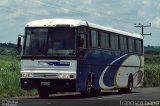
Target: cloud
point(121, 14)
point(145, 2)
point(88, 2)
point(3, 2)
point(156, 22)
point(63, 10)
point(14, 14)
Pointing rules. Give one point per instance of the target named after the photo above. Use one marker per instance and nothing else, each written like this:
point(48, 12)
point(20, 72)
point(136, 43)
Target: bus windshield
point(49, 42)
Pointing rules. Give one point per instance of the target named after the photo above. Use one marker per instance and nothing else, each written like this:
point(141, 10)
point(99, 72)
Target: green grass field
point(152, 70)
point(10, 78)
point(10, 75)
point(152, 75)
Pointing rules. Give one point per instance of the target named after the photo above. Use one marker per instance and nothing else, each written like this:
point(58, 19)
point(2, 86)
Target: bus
point(71, 55)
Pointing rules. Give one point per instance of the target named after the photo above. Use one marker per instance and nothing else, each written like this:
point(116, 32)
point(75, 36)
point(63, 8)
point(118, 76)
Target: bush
point(10, 78)
point(151, 75)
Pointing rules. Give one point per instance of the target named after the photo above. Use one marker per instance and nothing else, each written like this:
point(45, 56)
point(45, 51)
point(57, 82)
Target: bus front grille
point(45, 75)
point(48, 69)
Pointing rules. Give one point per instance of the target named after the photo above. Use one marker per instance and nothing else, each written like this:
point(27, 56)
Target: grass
point(152, 75)
point(152, 70)
point(152, 59)
point(10, 78)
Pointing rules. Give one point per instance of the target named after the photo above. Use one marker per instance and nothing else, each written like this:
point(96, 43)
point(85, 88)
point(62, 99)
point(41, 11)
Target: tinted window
point(117, 42)
point(131, 44)
point(107, 40)
point(49, 41)
point(113, 46)
point(103, 40)
point(83, 39)
point(114, 42)
point(123, 43)
point(94, 38)
point(122, 46)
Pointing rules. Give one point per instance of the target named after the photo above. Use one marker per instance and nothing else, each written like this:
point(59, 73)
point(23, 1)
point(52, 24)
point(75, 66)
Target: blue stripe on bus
point(58, 63)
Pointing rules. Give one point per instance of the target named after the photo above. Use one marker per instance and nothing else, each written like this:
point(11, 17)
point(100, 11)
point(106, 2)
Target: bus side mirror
point(19, 43)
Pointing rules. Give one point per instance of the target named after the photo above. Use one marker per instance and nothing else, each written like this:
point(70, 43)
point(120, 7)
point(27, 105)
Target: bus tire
point(130, 85)
point(43, 93)
point(89, 87)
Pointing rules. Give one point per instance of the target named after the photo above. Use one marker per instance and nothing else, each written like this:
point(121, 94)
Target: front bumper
point(59, 85)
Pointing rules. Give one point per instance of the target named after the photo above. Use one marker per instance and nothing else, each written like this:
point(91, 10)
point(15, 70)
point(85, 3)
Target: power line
point(143, 26)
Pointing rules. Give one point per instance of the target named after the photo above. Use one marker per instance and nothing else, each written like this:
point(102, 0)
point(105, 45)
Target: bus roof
point(75, 23)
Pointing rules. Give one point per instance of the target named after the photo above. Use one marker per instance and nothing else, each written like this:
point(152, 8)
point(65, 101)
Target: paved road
point(74, 99)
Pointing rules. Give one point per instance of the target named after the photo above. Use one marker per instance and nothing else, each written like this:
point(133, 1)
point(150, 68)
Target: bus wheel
point(43, 93)
point(130, 85)
point(89, 88)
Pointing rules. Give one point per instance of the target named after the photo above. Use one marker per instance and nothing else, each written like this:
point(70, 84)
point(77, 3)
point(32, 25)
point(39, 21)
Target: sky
point(118, 14)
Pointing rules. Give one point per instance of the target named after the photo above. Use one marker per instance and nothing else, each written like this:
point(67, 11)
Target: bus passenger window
point(138, 46)
point(94, 38)
point(141, 46)
point(125, 44)
point(103, 39)
point(117, 43)
point(82, 45)
point(135, 46)
point(131, 45)
point(107, 40)
point(122, 43)
point(113, 44)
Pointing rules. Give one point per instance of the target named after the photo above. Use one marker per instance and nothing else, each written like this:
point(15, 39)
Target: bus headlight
point(30, 75)
point(24, 75)
point(63, 75)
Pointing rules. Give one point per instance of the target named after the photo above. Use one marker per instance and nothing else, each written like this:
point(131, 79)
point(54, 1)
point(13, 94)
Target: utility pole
point(143, 26)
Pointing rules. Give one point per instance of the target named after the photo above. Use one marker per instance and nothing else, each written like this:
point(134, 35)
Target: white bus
point(68, 55)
